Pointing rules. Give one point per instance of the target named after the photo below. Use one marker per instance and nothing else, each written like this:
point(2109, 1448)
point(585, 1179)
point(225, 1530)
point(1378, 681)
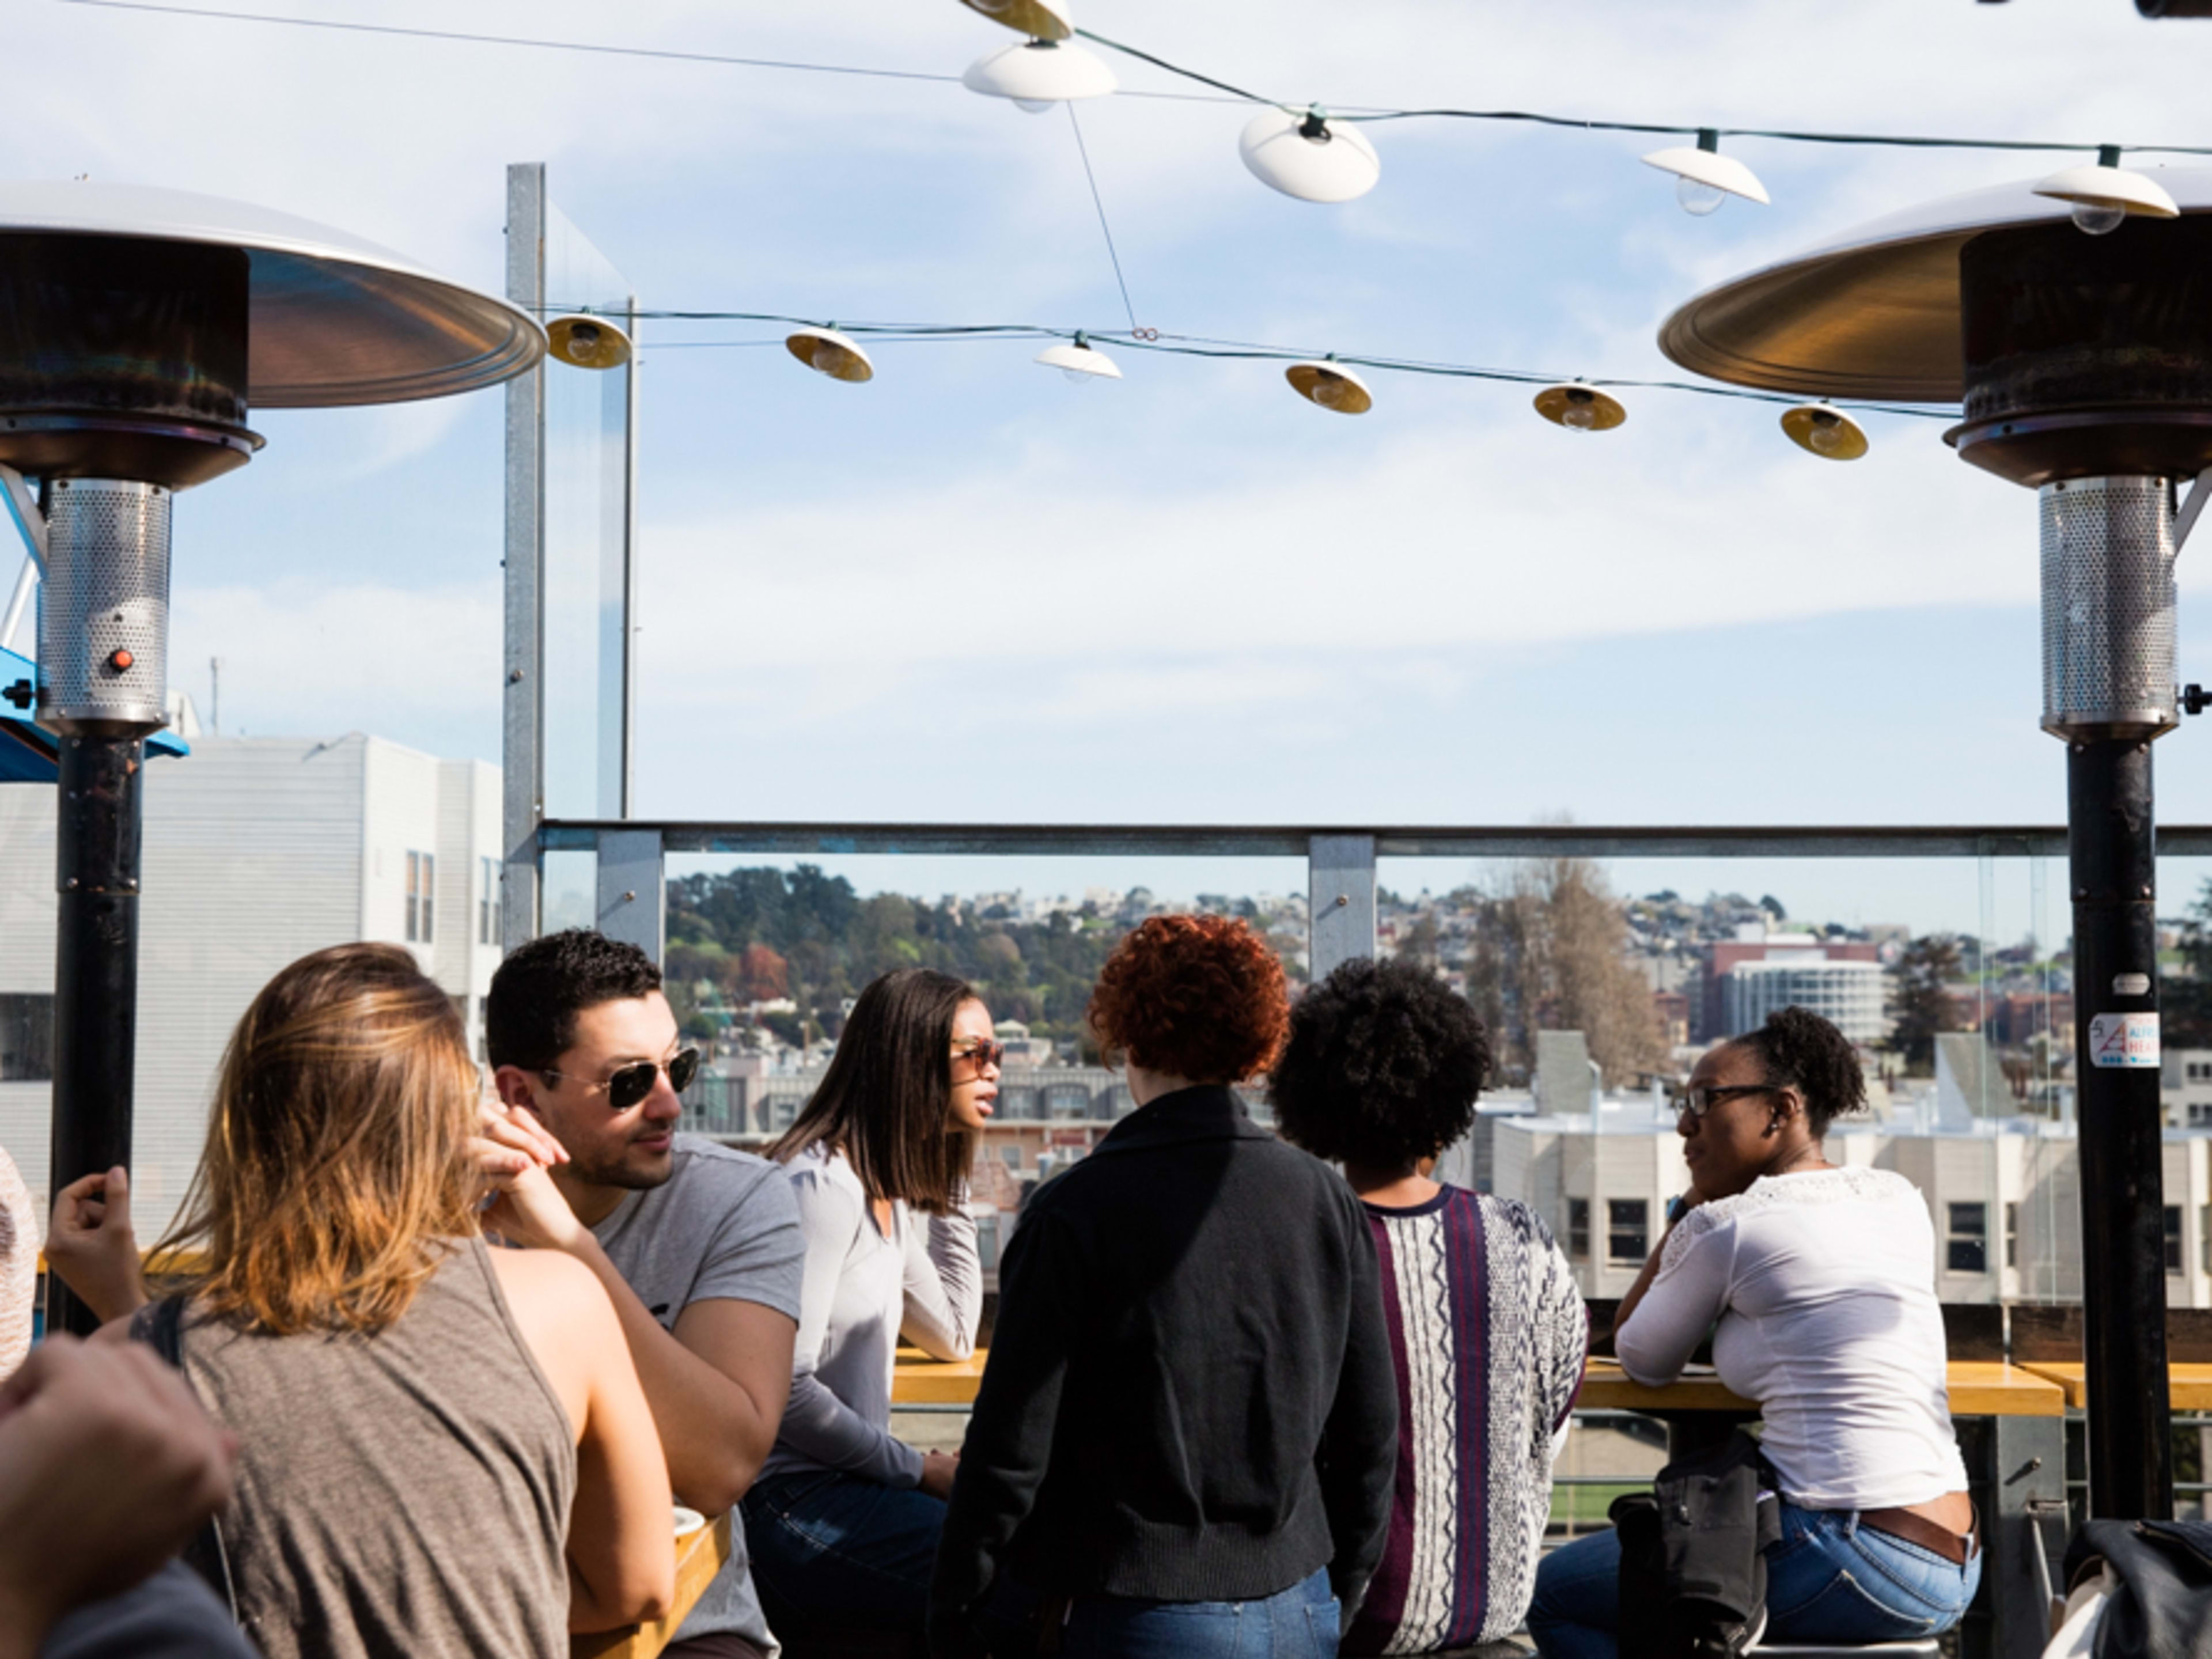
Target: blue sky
point(969, 590)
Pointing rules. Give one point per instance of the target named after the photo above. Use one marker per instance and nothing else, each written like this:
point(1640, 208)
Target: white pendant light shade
point(1824, 430)
point(1332, 386)
point(588, 342)
point(1309, 157)
point(828, 352)
point(1038, 74)
point(1580, 407)
point(1080, 361)
point(2106, 195)
point(1703, 177)
point(1040, 20)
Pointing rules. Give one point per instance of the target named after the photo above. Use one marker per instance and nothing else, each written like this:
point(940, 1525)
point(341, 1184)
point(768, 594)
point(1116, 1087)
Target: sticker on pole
point(2123, 1042)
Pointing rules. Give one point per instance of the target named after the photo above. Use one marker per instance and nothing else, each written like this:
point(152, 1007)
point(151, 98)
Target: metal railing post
point(632, 902)
point(523, 715)
point(1340, 900)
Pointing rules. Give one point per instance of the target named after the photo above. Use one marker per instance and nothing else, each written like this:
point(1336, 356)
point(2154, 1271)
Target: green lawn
point(1585, 1506)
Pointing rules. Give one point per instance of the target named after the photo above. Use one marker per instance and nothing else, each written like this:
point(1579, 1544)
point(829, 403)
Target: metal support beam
point(96, 840)
point(2024, 1531)
point(2114, 873)
point(633, 904)
point(523, 721)
point(1340, 900)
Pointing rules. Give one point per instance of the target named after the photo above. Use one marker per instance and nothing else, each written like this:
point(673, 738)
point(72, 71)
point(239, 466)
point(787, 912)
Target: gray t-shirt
point(723, 1227)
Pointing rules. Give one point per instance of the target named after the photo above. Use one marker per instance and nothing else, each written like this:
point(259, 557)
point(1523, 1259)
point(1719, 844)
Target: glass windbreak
point(767, 956)
point(586, 472)
point(1603, 979)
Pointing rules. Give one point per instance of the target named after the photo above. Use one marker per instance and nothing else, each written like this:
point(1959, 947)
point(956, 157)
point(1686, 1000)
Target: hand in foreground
point(108, 1466)
point(514, 1153)
point(937, 1469)
point(91, 1245)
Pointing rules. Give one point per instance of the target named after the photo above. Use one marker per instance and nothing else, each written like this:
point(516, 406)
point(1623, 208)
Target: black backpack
point(1692, 1555)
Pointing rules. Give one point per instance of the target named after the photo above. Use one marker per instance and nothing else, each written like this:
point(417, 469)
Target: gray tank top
point(404, 1493)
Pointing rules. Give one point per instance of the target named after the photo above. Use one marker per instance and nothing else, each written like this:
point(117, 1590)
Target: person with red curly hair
point(1185, 1439)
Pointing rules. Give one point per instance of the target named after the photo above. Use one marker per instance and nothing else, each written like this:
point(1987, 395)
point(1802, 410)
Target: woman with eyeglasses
point(1822, 1281)
point(843, 1522)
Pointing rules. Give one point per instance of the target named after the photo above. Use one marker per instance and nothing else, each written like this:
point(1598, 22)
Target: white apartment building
point(2004, 1196)
point(1846, 994)
point(258, 850)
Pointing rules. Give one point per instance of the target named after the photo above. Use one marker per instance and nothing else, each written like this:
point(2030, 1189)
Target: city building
point(258, 850)
point(1759, 971)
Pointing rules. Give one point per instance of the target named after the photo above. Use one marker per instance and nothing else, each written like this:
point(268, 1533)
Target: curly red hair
point(1196, 997)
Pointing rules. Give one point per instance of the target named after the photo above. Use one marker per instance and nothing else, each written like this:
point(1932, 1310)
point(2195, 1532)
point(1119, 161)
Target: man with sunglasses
point(698, 1245)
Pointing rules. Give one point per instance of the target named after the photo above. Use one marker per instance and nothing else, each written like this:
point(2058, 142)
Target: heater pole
point(95, 971)
point(2112, 861)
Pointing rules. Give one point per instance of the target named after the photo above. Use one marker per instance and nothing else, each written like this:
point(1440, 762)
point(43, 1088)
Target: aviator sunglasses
point(1699, 1101)
point(628, 1084)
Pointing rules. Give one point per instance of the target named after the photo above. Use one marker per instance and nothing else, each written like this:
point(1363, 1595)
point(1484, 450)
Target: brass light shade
point(1580, 407)
point(1818, 429)
point(588, 342)
point(1332, 386)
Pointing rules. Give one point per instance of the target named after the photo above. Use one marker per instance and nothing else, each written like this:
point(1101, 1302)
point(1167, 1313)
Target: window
point(2012, 1235)
point(1578, 1230)
point(422, 879)
point(26, 1038)
point(2174, 1238)
point(1628, 1229)
point(486, 900)
point(1967, 1249)
point(1012, 1153)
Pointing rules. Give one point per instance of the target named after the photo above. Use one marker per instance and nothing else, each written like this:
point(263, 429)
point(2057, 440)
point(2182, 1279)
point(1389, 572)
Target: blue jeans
point(1298, 1622)
point(1828, 1580)
point(834, 1549)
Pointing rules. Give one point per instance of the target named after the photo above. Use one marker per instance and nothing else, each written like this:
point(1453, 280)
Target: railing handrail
point(830, 838)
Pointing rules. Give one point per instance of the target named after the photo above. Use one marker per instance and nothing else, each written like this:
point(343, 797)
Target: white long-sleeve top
point(862, 1288)
point(1824, 1286)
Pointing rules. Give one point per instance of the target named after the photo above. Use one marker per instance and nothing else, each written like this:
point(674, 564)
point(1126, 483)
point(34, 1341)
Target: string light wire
point(1099, 202)
point(1221, 91)
point(1207, 346)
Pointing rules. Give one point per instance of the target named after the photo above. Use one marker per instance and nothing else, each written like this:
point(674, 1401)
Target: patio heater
point(2084, 362)
point(136, 327)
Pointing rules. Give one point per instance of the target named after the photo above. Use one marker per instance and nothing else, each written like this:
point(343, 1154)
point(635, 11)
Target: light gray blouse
point(861, 1290)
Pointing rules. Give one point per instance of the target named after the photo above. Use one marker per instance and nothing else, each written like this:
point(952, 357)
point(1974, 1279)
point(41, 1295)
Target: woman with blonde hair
point(421, 1422)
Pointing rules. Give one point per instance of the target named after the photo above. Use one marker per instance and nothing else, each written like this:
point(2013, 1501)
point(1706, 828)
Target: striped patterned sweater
point(1488, 1333)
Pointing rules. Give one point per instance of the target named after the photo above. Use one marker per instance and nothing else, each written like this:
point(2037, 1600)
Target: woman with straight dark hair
point(842, 1523)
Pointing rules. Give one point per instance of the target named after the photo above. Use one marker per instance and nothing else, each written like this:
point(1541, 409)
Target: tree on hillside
point(2184, 1013)
point(1550, 953)
point(1925, 1004)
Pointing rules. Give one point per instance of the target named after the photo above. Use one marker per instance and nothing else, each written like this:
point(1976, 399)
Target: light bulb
point(1696, 197)
point(1827, 433)
point(583, 342)
point(1581, 413)
point(2097, 218)
point(828, 357)
point(1033, 106)
point(1077, 376)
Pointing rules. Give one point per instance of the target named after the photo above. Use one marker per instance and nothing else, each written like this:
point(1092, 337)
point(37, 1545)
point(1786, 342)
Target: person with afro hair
point(1184, 1439)
point(1487, 1330)
point(1818, 1285)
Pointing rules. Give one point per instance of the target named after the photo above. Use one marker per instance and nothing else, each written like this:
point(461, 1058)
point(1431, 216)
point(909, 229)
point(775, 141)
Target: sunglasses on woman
point(984, 1053)
point(626, 1085)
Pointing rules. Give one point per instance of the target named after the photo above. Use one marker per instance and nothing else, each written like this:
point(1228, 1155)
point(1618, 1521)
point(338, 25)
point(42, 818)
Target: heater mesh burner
point(106, 591)
point(2108, 608)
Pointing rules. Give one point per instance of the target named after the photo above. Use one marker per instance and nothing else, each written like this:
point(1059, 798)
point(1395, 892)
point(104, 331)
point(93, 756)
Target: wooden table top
point(2191, 1384)
point(698, 1559)
point(1979, 1388)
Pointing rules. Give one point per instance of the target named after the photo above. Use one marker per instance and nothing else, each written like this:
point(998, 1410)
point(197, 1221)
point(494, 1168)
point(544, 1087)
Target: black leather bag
point(1692, 1556)
point(2162, 1608)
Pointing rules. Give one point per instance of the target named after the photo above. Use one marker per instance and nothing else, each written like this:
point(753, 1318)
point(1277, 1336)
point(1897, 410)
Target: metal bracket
point(30, 523)
point(23, 508)
point(2192, 504)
